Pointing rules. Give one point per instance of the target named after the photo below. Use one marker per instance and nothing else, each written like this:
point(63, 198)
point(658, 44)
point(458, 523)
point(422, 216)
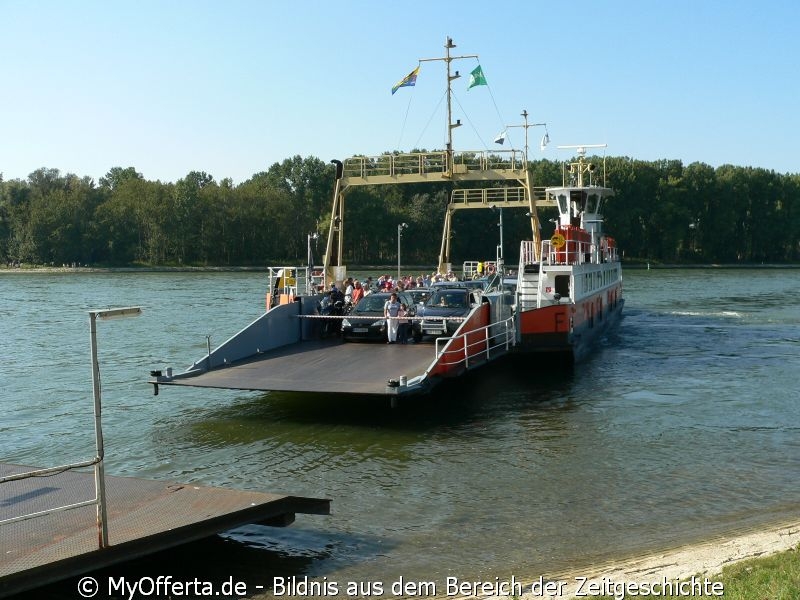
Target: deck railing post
point(99, 467)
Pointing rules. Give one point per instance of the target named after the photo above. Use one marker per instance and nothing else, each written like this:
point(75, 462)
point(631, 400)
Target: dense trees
point(663, 211)
point(669, 212)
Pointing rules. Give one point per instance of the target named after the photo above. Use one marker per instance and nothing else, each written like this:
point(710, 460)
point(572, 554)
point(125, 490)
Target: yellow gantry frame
point(438, 167)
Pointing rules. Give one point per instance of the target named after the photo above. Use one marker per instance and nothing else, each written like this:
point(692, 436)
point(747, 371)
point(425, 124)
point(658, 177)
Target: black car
point(444, 302)
point(365, 321)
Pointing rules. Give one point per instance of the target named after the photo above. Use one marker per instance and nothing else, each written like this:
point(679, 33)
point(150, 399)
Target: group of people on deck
point(385, 283)
point(397, 325)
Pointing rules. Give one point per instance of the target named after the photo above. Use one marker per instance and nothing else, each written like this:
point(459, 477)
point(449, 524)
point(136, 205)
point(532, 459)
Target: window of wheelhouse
point(593, 204)
point(562, 204)
point(577, 201)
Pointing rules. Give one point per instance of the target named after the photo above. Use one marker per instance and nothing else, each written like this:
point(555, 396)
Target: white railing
point(489, 342)
point(96, 501)
point(292, 281)
point(469, 270)
point(97, 462)
point(527, 254)
point(573, 252)
point(609, 254)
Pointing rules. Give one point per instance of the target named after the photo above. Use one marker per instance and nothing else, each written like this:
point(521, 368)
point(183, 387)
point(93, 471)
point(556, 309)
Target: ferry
point(570, 289)
point(564, 293)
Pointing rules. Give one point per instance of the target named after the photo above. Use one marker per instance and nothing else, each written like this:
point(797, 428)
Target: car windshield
point(419, 295)
point(478, 284)
point(448, 299)
point(371, 303)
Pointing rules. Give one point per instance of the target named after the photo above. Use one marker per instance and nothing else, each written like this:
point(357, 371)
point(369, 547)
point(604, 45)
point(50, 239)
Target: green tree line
point(663, 211)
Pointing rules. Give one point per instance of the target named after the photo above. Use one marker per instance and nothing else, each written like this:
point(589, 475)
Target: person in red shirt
point(358, 292)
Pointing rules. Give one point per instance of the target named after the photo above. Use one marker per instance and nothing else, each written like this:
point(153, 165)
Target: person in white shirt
point(390, 310)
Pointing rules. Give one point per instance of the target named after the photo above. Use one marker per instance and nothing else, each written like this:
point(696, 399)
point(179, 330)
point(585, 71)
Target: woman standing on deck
point(390, 310)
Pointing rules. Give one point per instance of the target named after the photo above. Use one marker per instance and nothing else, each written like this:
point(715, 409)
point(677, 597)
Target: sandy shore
point(704, 560)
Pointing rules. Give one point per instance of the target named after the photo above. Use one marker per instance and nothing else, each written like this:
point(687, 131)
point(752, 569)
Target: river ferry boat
point(570, 289)
point(565, 291)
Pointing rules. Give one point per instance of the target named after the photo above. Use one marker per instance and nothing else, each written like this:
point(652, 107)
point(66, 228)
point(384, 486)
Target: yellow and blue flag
point(407, 81)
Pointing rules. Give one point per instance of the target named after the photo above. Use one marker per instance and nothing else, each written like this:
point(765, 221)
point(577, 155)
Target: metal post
point(99, 468)
point(500, 257)
point(500, 247)
point(448, 45)
point(310, 263)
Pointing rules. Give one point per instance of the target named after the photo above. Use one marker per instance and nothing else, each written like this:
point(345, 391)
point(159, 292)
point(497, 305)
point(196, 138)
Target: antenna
point(580, 150)
point(524, 115)
point(579, 168)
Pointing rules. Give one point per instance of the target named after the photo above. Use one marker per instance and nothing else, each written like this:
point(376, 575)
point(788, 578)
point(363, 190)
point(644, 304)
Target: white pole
point(400, 228)
point(501, 236)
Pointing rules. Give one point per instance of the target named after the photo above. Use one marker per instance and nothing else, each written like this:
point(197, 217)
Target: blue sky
point(231, 87)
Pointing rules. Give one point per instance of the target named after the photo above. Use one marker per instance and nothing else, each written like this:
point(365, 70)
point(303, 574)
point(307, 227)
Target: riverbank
point(701, 561)
point(76, 270)
point(354, 268)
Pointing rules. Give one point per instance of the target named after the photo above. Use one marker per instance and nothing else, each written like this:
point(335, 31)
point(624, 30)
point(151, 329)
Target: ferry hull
point(564, 329)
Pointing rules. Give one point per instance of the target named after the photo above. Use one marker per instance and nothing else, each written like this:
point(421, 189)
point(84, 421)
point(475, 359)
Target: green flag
point(476, 78)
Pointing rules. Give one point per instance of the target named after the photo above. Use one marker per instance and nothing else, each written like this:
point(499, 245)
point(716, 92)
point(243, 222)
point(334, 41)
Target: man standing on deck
point(390, 310)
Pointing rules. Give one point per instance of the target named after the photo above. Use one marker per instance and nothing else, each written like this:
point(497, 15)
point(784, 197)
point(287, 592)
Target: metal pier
point(143, 517)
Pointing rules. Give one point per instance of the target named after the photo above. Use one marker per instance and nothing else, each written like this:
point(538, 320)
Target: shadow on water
point(494, 393)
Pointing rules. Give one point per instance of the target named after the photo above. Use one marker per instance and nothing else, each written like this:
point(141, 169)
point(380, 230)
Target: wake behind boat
point(564, 293)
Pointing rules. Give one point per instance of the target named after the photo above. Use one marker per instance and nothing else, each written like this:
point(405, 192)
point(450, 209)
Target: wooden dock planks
point(143, 517)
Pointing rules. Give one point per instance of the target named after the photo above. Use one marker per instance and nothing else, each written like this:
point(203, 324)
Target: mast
point(533, 214)
point(439, 167)
point(526, 125)
point(450, 78)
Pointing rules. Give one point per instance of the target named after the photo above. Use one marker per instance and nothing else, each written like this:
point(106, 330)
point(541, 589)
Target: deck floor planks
point(143, 517)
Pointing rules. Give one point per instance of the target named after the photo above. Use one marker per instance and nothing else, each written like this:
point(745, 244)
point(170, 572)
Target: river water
point(682, 427)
